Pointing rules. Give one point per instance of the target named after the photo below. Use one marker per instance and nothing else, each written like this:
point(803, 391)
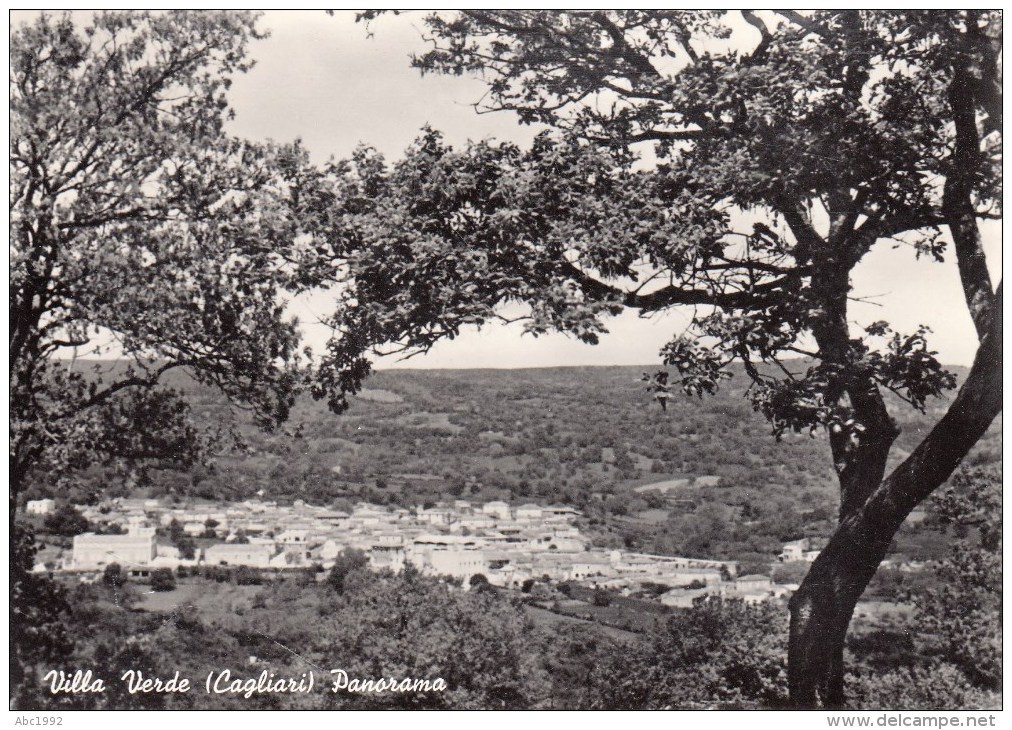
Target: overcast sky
point(326, 80)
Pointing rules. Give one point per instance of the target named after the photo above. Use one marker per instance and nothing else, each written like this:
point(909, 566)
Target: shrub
point(939, 687)
point(66, 521)
point(113, 575)
point(163, 580)
point(348, 561)
point(246, 576)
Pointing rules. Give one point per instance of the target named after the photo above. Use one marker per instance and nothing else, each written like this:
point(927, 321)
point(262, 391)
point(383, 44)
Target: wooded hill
point(591, 437)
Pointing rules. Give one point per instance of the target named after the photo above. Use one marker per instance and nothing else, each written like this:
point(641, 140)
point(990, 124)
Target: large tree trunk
point(822, 607)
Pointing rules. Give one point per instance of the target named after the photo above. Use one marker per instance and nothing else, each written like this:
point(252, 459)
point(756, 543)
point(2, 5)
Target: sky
point(335, 83)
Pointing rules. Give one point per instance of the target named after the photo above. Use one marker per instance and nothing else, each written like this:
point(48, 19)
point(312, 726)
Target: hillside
point(705, 478)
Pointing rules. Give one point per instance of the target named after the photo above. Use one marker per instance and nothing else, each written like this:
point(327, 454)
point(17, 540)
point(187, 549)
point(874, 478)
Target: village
point(506, 545)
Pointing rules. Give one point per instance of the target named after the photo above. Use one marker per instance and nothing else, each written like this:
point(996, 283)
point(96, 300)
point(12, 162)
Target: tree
point(961, 617)
point(186, 545)
point(38, 617)
point(113, 575)
point(109, 528)
point(601, 597)
point(717, 654)
point(66, 520)
point(477, 642)
point(479, 582)
point(162, 580)
point(140, 231)
point(775, 171)
point(209, 524)
point(348, 561)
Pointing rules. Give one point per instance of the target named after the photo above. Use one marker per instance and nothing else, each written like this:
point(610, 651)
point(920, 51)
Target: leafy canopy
point(678, 169)
point(140, 230)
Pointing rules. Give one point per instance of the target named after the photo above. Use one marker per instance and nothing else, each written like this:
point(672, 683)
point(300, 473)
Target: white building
point(40, 506)
point(254, 555)
point(500, 510)
point(793, 551)
point(750, 588)
point(437, 516)
point(529, 513)
point(387, 557)
point(476, 522)
point(689, 576)
point(591, 565)
point(456, 563)
point(93, 551)
point(294, 537)
point(684, 598)
point(329, 550)
point(559, 513)
point(291, 559)
point(167, 551)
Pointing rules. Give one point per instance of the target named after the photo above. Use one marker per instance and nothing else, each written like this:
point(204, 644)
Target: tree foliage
point(139, 230)
point(742, 163)
point(184, 543)
point(409, 626)
point(347, 562)
point(777, 171)
point(113, 575)
point(39, 609)
point(163, 580)
point(66, 520)
point(961, 618)
point(718, 654)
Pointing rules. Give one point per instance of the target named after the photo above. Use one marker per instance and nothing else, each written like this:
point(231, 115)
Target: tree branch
point(957, 203)
point(619, 43)
point(765, 36)
point(675, 294)
point(801, 21)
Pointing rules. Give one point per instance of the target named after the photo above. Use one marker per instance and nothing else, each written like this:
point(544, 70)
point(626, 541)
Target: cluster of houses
point(506, 544)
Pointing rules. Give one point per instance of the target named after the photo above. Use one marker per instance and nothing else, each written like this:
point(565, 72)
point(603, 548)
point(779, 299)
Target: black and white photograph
point(506, 360)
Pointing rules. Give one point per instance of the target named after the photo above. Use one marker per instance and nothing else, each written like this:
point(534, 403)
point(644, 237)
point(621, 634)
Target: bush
point(940, 687)
point(66, 521)
point(246, 576)
point(348, 561)
point(113, 575)
point(479, 582)
point(162, 580)
point(718, 654)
